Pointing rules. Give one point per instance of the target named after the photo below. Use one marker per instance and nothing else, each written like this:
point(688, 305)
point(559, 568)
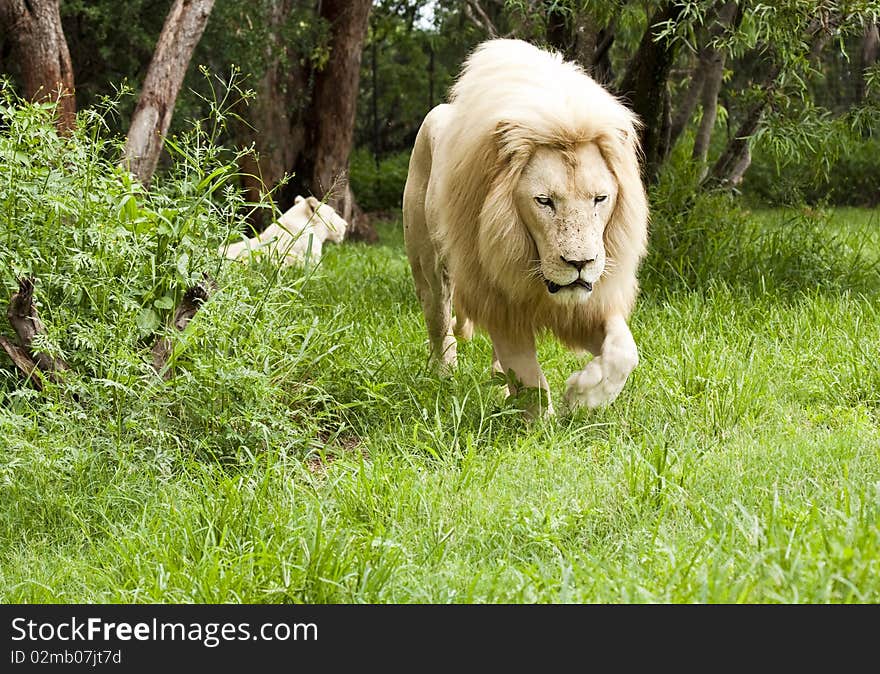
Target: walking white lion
point(524, 206)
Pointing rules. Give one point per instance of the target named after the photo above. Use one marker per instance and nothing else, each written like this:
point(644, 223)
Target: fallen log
point(192, 301)
point(22, 361)
point(25, 321)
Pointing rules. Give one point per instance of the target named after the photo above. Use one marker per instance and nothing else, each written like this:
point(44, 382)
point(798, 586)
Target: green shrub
point(111, 261)
point(699, 238)
point(852, 179)
point(378, 188)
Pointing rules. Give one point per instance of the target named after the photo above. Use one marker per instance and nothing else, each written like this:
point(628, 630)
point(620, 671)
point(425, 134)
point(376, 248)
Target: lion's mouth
point(577, 283)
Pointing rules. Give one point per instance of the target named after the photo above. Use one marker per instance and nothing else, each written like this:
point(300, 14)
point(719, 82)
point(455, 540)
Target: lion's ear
point(314, 204)
point(298, 199)
point(629, 133)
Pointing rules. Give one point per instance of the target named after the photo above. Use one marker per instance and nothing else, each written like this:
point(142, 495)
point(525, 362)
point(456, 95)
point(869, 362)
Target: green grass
point(742, 462)
point(304, 451)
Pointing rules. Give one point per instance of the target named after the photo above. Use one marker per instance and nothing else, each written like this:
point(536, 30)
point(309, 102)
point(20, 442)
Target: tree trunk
point(869, 54)
point(323, 165)
point(431, 75)
point(706, 81)
point(644, 86)
point(181, 33)
point(733, 162)
point(559, 30)
point(34, 28)
point(275, 118)
point(688, 104)
point(601, 68)
point(592, 47)
point(25, 320)
point(709, 102)
point(478, 16)
point(730, 16)
point(731, 166)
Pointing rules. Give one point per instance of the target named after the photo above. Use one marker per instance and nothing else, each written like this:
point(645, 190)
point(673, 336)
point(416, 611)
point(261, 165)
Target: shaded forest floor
point(305, 452)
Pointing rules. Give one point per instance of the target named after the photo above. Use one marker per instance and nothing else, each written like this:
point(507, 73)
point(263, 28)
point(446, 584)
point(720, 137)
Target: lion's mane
point(510, 99)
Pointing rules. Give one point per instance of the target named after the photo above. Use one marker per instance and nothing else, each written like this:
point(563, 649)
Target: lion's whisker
point(535, 272)
point(610, 267)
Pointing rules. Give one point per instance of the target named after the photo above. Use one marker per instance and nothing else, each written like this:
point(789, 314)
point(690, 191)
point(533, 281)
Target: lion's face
point(334, 223)
point(325, 222)
point(565, 200)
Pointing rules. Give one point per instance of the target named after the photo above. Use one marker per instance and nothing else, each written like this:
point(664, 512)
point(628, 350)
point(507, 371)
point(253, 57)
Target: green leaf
point(164, 228)
point(209, 178)
point(128, 208)
point(183, 265)
point(147, 321)
point(166, 302)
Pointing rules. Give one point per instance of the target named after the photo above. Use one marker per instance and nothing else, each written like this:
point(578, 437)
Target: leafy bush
point(110, 258)
point(111, 262)
point(700, 238)
point(378, 188)
point(851, 178)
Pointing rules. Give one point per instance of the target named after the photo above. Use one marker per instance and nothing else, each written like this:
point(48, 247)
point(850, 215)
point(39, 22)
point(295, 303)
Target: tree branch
point(475, 12)
point(22, 361)
point(735, 160)
point(24, 319)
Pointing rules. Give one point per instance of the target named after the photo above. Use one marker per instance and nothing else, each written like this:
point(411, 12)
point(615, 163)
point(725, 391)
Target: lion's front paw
point(446, 357)
point(599, 383)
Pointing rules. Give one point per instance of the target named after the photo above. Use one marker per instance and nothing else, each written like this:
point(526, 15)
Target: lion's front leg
point(603, 378)
point(520, 356)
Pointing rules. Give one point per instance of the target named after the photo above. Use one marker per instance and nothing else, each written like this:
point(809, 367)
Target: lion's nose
point(577, 264)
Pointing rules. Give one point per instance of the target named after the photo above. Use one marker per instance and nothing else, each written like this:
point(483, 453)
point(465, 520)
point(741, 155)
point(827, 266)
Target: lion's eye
point(600, 198)
point(544, 201)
